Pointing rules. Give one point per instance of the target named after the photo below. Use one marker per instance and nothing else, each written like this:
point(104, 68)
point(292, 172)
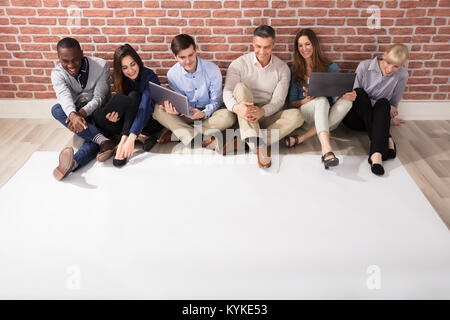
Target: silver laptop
point(330, 84)
point(160, 94)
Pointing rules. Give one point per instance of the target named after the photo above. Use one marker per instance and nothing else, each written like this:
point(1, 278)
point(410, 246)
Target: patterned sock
point(99, 138)
point(74, 165)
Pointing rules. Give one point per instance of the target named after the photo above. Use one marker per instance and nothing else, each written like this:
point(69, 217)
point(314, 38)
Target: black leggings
point(126, 107)
point(376, 121)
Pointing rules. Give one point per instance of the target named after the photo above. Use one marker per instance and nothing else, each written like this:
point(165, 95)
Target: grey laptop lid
point(330, 84)
point(179, 101)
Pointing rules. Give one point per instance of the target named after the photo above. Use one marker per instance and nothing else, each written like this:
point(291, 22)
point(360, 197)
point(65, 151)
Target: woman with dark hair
point(308, 57)
point(129, 111)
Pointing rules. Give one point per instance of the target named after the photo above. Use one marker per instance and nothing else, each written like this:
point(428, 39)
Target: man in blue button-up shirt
point(201, 82)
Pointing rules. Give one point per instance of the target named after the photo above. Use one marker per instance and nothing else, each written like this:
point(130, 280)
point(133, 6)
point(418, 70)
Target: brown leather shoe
point(230, 147)
point(107, 148)
point(264, 158)
point(165, 137)
point(65, 164)
point(206, 143)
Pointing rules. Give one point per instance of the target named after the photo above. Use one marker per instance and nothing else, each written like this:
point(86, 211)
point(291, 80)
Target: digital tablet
point(330, 84)
point(179, 101)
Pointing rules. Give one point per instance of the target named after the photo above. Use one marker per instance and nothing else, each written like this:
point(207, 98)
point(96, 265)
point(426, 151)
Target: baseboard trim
point(408, 109)
point(424, 110)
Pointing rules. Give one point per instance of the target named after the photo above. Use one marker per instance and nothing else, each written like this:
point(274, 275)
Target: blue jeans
point(89, 149)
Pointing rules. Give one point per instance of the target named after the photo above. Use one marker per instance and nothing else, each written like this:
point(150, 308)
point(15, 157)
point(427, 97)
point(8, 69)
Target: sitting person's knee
point(322, 102)
point(383, 103)
point(136, 97)
point(56, 110)
point(241, 89)
point(295, 117)
point(157, 111)
point(230, 119)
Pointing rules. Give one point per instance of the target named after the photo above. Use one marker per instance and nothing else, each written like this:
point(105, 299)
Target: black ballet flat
point(119, 163)
point(333, 162)
point(149, 143)
point(376, 168)
point(392, 153)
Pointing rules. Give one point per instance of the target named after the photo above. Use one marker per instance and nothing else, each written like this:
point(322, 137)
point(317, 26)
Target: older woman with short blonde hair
point(379, 84)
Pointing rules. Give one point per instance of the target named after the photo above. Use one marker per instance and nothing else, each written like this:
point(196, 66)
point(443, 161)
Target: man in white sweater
point(81, 85)
point(256, 87)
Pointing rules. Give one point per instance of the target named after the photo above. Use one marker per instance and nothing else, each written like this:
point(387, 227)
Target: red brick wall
point(30, 29)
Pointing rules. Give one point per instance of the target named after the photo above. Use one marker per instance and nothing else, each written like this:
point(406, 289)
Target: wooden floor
point(422, 146)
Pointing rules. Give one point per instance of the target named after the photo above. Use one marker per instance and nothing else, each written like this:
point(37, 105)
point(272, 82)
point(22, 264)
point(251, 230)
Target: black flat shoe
point(119, 163)
point(376, 168)
point(392, 153)
point(332, 162)
point(149, 143)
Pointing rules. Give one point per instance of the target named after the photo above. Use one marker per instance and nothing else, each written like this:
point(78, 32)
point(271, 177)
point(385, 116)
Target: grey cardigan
point(70, 94)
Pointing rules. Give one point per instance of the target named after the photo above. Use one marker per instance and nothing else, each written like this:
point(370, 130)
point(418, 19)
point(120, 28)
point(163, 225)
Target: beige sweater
point(269, 86)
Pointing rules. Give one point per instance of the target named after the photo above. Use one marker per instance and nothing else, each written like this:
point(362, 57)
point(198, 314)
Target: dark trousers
point(375, 120)
point(89, 149)
point(152, 128)
point(126, 106)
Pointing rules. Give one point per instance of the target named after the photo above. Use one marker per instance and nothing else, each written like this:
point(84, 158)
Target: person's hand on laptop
point(351, 96)
point(169, 108)
point(113, 116)
point(307, 98)
point(198, 114)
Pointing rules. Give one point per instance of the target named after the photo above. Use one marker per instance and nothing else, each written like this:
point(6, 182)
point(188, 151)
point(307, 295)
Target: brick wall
point(30, 29)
